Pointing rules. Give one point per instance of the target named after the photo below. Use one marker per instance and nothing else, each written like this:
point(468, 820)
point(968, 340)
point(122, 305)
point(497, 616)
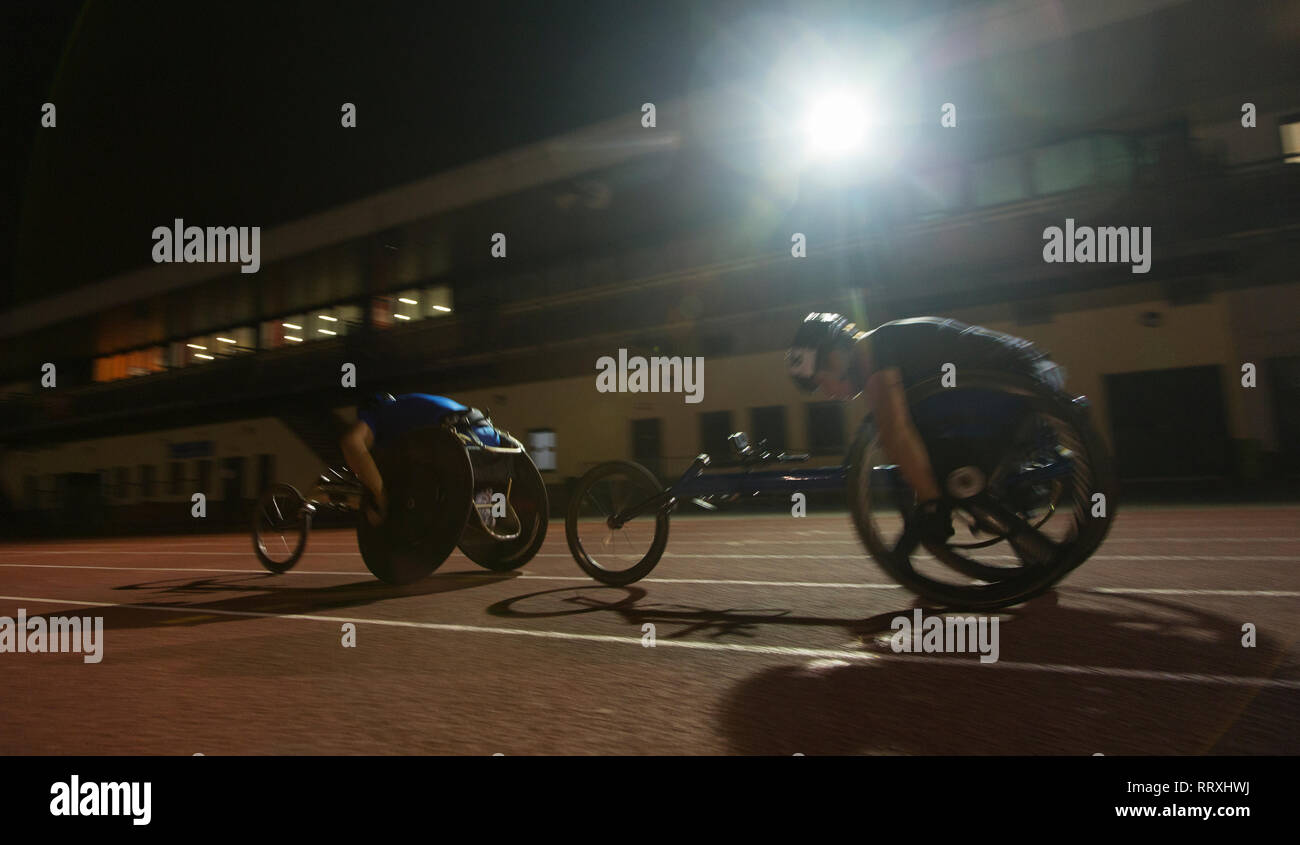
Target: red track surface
point(771, 638)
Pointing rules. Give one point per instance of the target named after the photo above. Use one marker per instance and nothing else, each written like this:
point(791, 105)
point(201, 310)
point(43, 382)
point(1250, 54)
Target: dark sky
point(227, 113)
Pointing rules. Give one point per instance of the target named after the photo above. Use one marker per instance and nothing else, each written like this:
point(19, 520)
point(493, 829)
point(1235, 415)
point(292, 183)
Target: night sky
point(231, 116)
point(228, 113)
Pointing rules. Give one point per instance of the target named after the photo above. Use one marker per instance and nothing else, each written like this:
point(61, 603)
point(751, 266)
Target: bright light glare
point(441, 308)
point(407, 300)
point(292, 326)
point(836, 125)
point(401, 316)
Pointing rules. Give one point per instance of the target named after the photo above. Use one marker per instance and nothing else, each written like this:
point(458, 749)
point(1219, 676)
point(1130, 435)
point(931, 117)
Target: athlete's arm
point(898, 433)
point(356, 444)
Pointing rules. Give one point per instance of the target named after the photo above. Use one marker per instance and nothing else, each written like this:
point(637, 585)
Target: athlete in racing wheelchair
point(995, 428)
point(435, 475)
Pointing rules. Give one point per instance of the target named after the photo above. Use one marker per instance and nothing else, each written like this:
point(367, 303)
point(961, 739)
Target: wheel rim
point(280, 523)
point(978, 559)
point(606, 547)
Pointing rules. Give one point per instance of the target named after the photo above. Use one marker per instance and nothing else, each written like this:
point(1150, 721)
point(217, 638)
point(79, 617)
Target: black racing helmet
point(818, 334)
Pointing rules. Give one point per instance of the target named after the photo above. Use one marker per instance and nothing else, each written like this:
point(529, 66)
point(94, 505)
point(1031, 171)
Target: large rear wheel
point(1022, 470)
point(428, 480)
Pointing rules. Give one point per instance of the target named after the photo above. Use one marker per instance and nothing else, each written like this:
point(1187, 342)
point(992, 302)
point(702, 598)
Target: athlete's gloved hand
point(933, 521)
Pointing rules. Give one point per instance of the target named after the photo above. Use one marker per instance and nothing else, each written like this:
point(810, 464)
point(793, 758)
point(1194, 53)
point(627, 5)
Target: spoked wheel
point(1020, 466)
point(428, 480)
point(281, 522)
point(527, 513)
point(615, 554)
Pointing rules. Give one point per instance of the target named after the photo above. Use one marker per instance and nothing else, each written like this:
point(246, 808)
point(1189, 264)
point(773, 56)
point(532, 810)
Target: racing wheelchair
point(462, 482)
point(1030, 484)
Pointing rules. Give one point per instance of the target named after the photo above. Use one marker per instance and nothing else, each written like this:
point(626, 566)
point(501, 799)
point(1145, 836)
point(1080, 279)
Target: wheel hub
point(965, 482)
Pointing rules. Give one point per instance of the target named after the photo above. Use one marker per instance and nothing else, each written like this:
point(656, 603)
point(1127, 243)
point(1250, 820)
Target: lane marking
point(528, 576)
point(352, 547)
point(1151, 591)
point(734, 648)
point(728, 556)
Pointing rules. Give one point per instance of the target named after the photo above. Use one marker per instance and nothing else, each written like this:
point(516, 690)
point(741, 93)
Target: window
point(138, 362)
point(121, 482)
point(999, 180)
point(410, 305)
point(714, 428)
point(825, 428)
point(1062, 167)
point(332, 322)
point(768, 423)
point(233, 341)
point(146, 481)
point(1289, 129)
point(1115, 158)
point(205, 477)
point(199, 350)
point(647, 444)
point(938, 192)
point(541, 448)
point(177, 478)
point(265, 472)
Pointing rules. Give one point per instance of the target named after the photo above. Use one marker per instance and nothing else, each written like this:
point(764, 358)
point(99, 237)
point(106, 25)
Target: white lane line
point(696, 645)
point(700, 557)
point(528, 576)
point(522, 576)
point(853, 544)
point(1151, 591)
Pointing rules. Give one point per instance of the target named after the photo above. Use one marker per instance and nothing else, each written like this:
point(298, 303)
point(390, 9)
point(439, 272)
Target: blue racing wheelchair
point(462, 482)
point(1030, 484)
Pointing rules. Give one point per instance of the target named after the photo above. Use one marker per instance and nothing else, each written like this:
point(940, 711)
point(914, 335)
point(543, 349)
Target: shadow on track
point(261, 594)
point(682, 620)
point(912, 704)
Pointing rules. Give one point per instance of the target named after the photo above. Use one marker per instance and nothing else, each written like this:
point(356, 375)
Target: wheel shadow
point(1112, 675)
point(259, 595)
point(680, 620)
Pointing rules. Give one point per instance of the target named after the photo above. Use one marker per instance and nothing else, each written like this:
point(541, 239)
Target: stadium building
point(503, 282)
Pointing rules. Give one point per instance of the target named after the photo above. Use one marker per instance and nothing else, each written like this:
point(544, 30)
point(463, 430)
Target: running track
point(771, 638)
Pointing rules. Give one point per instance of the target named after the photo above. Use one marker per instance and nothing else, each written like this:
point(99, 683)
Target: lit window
point(437, 301)
point(1289, 127)
point(998, 180)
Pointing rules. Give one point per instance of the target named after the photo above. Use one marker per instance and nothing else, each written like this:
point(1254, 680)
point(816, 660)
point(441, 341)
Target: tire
point(530, 503)
point(629, 483)
point(994, 587)
point(273, 524)
point(429, 481)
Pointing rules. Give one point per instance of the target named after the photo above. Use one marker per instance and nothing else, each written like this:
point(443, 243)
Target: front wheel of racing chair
point(527, 512)
point(1021, 468)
